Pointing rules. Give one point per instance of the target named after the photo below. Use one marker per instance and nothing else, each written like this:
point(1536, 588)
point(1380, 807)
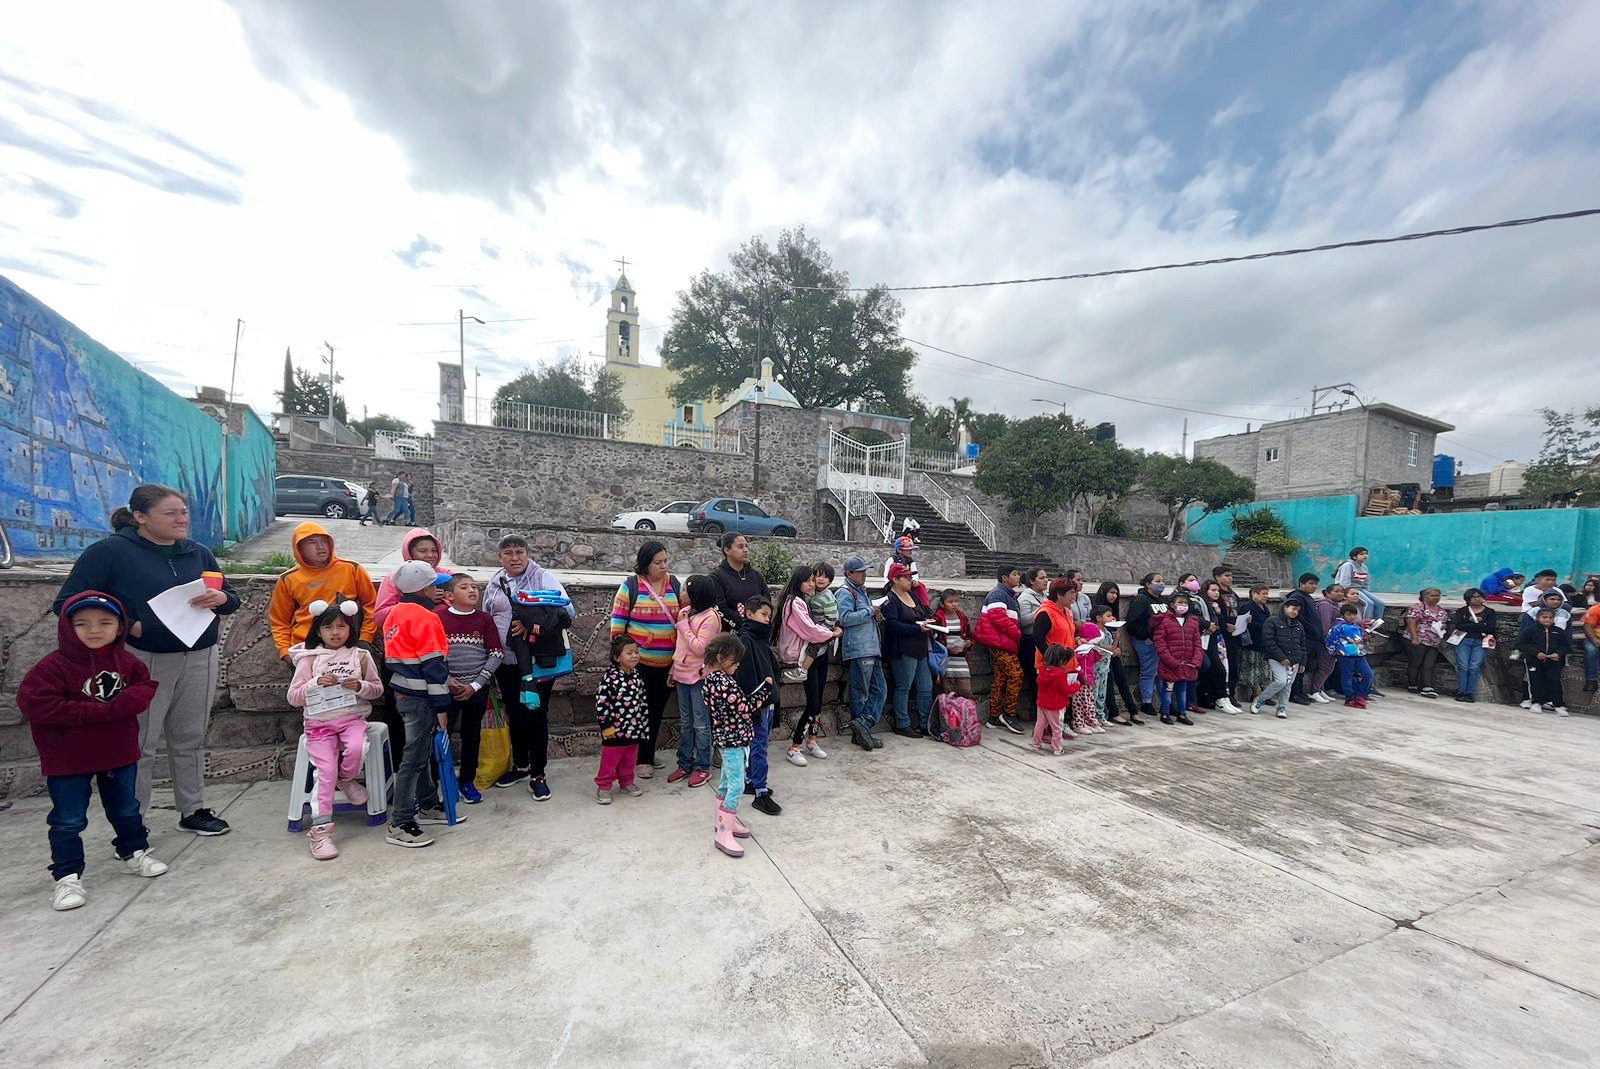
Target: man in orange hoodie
point(318, 575)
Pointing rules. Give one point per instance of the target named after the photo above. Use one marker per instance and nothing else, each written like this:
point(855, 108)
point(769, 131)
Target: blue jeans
point(694, 728)
point(1591, 661)
point(909, 672)
point(1373, 607)
point(1469, 662)
point(1148, 662)
point(69, 816)
point(1175, 697)
point(398, 511)
point(1355, 677)
point(414, 788)
point(757, 774)
point(868, 690)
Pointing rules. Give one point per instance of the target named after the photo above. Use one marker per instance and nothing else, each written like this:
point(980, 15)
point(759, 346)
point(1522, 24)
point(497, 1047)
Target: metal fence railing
point(712, 440)
point(578, 423)
point(395, 445)
point(933, 460)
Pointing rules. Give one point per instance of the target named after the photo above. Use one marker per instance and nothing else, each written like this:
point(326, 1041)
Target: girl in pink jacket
point(803, 643)
point(335, 682)
point(698, 623)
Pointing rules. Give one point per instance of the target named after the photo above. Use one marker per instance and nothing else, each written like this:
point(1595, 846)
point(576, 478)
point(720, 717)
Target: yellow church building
point(647, 388)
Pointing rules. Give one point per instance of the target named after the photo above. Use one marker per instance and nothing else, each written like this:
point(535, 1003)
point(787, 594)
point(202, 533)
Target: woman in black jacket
point(736, 580)
point(1472, 635)
point(148, 553)
point(1147, 603)
point(905, 621)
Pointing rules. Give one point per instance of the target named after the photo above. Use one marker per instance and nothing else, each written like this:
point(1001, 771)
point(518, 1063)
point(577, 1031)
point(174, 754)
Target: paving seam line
point(109, 921)
point(872, 985)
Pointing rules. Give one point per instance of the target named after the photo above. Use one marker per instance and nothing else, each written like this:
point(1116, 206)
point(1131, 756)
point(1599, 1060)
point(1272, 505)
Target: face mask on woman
point(1158, 588)
point(1193, 586)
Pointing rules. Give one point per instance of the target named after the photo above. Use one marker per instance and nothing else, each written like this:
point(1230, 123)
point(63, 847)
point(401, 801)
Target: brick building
point(1342, 452)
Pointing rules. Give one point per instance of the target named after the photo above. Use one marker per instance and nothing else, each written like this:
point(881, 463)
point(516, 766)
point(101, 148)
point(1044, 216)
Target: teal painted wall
point(1449, 550)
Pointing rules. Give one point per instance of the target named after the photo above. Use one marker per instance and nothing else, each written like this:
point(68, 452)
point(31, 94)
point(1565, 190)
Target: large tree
point(1053, 462)
point(1567, 470)
point(1179, 483)
point(566, 383)
point(831, 348)
point(304, 394)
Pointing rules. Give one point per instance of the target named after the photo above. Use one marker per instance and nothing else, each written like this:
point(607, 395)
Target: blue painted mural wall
point(1450, 550)
point(80, 427)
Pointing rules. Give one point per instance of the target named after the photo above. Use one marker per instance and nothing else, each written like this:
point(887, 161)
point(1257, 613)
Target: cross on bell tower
point(622, 320)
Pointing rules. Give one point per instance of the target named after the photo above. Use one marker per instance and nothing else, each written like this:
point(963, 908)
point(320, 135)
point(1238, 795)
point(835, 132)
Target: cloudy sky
point(341, 171)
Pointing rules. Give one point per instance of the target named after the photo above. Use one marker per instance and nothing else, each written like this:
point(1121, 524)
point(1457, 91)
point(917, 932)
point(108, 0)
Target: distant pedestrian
point(400, 491)
point(369, 503)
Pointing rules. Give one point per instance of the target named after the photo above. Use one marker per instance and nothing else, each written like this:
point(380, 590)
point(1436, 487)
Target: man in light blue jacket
point(862, 653)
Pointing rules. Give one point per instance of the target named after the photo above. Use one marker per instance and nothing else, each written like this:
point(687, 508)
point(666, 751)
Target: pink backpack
point(955, 720)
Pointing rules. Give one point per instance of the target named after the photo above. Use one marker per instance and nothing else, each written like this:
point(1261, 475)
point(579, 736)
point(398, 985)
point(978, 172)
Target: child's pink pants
point(616, 765)
point(325, 739)
point(1048, 723)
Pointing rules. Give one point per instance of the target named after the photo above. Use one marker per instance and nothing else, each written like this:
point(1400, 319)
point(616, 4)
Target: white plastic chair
point(377, 770)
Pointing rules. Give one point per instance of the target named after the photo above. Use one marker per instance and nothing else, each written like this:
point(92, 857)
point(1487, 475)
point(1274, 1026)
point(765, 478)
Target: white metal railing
point(920, 482)
point(711, 439)
point(574, 422)
point(934, 460)
point(397, 445)
point(973, 516)
point(880, 468)
point(866, 504)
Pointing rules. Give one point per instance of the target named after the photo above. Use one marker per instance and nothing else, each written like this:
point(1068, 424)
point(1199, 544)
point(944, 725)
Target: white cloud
point(272, 161)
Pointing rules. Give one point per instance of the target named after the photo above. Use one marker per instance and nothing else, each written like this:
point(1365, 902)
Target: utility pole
point(1183, 445)
point(331, 379)
point(477, 394)
point(761, 333)
point(461, 340)
point(227, 417)
point(233, 378)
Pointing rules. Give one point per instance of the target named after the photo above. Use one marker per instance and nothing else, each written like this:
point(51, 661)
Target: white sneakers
point(1526, 703)
point(816, 751)
point(144, 863)
point(1225, 705)
point(1321, 698)
point(796, 758)
point(1561, 710)
point(69, 893)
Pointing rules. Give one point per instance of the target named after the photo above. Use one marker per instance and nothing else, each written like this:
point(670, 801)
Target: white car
point(670, 517)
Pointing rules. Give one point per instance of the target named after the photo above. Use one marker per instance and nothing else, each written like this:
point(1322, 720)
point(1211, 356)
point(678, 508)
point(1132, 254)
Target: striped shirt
point(652, 623)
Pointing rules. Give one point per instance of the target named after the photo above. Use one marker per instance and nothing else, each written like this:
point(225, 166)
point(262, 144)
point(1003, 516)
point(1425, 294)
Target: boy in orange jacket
point(415, 648)
point(318, 575)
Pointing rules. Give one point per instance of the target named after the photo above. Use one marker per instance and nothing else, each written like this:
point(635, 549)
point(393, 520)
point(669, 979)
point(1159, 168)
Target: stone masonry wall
point(1125, 560)
point(584, 482)
point(254, 732)
point(473, 542)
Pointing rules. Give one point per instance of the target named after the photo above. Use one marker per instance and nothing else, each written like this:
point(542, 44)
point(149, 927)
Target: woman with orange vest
point(1054, 626)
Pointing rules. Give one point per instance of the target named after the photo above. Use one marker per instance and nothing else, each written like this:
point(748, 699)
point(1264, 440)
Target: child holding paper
point(335, 682)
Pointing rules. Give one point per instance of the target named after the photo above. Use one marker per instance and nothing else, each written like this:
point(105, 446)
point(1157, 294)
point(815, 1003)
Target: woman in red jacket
point(1179, 647)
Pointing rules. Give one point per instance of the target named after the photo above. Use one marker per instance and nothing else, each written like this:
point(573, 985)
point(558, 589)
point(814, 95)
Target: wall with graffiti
point(80, 427)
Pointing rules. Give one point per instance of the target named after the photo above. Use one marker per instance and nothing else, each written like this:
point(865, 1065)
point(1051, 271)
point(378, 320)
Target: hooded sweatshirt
point(288, 613)
point(348, 662)
point(83, 705)
point(388, 593)
point(133, 569)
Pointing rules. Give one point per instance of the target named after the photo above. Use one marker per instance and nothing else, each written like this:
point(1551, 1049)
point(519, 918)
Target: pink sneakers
point(321, 839)
point(354, 790)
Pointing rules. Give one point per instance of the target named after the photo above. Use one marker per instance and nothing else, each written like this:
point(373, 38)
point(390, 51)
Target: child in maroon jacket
point(83, 703)
point(1179, 647)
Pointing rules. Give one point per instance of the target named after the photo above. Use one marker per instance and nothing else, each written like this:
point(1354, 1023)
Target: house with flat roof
point(1341, 452)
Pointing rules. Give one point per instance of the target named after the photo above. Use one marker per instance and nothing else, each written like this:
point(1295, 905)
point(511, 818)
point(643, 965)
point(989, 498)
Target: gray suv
point(313, 495)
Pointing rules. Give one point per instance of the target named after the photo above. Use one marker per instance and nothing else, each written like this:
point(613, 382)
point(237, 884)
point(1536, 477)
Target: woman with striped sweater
point(645, 609)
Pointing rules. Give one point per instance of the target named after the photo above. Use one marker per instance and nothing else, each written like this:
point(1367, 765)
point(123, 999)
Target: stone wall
point(473, 542)
point(254, 732)
point(1126, 560)
point(584, 482)
point(358, 464)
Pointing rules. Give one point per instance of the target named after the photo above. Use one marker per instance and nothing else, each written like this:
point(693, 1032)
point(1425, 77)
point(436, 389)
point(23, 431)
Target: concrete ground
point(1413, 885)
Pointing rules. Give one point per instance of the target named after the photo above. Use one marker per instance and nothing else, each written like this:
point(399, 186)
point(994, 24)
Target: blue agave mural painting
point(80, 427)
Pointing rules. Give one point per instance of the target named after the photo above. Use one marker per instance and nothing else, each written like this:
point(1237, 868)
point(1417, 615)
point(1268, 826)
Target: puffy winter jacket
point(1179, 646)
point(1284, 639)
point(997, 623)
point(415, 647)
point(289, 612)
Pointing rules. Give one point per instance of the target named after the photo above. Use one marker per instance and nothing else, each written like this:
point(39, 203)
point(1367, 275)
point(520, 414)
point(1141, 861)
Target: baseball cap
point(896, 570)
point(443, 579)
point(413, 576)
point(96, 601)
point(853, 563)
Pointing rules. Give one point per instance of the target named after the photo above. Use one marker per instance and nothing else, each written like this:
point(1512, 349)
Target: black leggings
point(530, 728)
point(1119, 683)
point(1026, 648)
point(816, 680)
point(657, 688)
point(466, 717)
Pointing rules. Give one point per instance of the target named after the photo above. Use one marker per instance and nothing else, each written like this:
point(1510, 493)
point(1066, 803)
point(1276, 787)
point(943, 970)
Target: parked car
point(312, 495)
point(736, 514)
point(670, 517)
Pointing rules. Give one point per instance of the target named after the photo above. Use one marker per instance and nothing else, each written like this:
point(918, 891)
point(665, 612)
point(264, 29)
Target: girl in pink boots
point(334, 682)
point(733, 731)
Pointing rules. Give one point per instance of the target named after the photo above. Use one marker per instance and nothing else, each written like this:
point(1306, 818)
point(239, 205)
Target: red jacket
point(83, 705)
point(997, 621)
point(1055, 691)
point(1178, 646)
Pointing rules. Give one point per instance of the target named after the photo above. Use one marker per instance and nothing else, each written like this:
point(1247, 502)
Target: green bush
point(1261, 528)
point(272, 564)
point(1108, 521)
point(773, 560)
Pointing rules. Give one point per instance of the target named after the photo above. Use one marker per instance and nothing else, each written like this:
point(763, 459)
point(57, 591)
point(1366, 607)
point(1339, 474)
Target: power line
point(1072, 386)
point(1213, 261)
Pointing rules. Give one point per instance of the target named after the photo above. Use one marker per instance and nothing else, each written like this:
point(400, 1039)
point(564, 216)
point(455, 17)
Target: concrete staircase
point(982, 562)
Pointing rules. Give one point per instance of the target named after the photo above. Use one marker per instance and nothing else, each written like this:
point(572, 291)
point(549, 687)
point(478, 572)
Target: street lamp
point(461, 341)
point(1051, 401)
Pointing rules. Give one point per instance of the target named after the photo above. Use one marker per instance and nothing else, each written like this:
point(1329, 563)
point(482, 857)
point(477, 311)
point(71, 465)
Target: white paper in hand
point(186, 622)
point(1241, 624)
point(323, 700)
